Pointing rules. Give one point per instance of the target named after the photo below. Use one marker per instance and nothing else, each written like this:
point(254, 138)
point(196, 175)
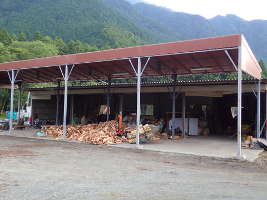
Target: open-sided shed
point(224, 54)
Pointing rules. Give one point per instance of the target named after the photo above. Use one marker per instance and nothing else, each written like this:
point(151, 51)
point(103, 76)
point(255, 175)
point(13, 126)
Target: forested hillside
point(90, 21)
point(40, 28)
point(18, 47)
point(194, 26)
point(118, 23)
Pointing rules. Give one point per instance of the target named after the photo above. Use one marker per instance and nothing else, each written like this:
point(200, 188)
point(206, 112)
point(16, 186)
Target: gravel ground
point(34, 169)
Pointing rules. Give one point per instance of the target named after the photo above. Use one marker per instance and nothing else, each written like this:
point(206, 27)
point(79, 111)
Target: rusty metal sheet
point(176, 57)
point(121, 53)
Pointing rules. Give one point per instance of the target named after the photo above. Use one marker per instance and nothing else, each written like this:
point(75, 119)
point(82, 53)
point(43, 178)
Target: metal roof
point(185, 57)
point(155, 84)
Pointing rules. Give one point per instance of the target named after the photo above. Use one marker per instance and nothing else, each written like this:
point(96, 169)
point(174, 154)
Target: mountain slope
point(194, 26)
point(188, 26)
point(134, 14)
point(68, 19)
point(119, 23)
point(255, 31)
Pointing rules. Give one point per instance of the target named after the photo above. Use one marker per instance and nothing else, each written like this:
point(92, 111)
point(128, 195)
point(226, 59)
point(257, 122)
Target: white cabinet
point(193, 125)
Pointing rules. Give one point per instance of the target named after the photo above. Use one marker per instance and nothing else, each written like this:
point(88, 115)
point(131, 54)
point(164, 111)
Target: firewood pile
point(145, 134)
point(102, 133)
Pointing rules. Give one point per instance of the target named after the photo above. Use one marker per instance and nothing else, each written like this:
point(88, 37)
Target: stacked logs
point(145, 134)
point(102, 133)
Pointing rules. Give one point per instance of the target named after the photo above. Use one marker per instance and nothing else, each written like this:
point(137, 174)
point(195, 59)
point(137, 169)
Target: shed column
point(11, 101)
point(138, 109)
point(259, 110)
point(65, 101)
point(183, 111)
point(12, 77)
point(66, 76)
point(138, 74)
point(239, 106)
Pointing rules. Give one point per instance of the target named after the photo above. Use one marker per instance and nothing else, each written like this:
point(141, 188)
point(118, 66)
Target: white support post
point(65, 101)
point(138, 74)
point(138, 111)
point(259, 109)
point(12, 78)
point(239, 105)
point(66, 76)
point(11, 101)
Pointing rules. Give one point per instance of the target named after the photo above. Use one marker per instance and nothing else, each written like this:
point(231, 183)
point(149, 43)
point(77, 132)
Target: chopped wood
point(145, 134)
point(102, 133)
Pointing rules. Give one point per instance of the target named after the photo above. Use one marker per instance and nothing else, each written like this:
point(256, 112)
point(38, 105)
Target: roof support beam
point(216, 62)
point(230, 58)
point(48, 73)
point(66, 76)
point(172, 69)
point(157, 67)
point(195, 60)
point(100, 71)
point(140, 70)
point(37, 75)
point(12, 77)
point(27, 78)
point(123, 69)
point(181, 64)
point(81, 73)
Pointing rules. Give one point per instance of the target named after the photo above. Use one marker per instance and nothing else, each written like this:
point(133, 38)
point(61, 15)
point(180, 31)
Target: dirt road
point(39, 169)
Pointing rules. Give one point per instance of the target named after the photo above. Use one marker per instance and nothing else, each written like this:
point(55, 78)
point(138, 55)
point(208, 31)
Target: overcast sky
point(249, 10)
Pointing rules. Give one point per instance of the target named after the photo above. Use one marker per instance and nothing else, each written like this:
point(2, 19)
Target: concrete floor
point(219, 147)
point(197, 145)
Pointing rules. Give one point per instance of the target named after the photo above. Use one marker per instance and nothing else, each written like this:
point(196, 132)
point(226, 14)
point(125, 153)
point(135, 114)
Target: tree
point(47, 39)
point(61, 46)
point(33, 49)
point(4, 96)
point(264, 69)
point(37, 36)
point(76, 46)
point(117, 37)
point(22, 37)
point(5, 54)
point(5, 37)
